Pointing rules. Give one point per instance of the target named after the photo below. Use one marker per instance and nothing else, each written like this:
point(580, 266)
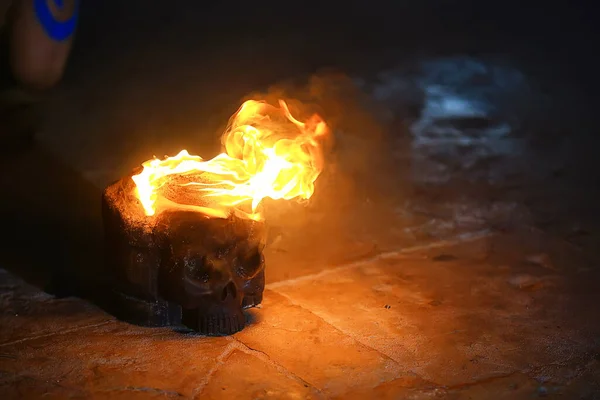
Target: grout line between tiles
point(462, 238)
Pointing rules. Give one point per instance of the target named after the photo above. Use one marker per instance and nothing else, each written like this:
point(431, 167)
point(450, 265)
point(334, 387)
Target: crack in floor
point(459, 239)
point(57, 333)
point(264, 357)
point(342, 331)
point(166, 393)
point(220, 361)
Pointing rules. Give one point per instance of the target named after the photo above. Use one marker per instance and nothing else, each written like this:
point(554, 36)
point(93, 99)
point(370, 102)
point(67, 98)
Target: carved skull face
point(213, 268)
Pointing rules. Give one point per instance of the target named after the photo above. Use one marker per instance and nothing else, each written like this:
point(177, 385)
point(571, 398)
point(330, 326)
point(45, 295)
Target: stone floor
point(450, 250)
point(442, 295)
point(481, 315)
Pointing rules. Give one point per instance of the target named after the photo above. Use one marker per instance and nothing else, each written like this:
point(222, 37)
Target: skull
point(212, 267)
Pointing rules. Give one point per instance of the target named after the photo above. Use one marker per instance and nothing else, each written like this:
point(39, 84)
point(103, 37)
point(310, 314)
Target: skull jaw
point(215, 319)
point(213, 316)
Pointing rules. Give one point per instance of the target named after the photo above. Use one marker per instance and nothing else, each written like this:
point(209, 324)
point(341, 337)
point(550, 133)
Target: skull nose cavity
point(229, 291)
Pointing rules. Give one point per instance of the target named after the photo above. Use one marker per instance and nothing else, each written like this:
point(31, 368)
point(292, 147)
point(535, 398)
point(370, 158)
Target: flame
point(267, 153)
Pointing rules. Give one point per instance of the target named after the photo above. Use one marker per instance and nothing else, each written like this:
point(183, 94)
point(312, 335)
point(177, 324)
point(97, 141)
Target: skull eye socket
point(254, 260)
point(197, 268)
point(248, 265)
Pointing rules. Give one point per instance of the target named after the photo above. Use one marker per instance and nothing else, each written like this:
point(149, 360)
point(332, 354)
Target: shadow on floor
point(52, 219)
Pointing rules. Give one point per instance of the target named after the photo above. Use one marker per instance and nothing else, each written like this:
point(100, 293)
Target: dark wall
point(368, 22)
point(378, 33)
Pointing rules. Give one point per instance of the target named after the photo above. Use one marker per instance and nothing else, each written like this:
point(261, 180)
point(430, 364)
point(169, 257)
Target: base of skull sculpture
point(180, 267)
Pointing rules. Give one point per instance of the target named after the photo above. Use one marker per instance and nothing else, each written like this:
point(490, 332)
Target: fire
point(267, 153)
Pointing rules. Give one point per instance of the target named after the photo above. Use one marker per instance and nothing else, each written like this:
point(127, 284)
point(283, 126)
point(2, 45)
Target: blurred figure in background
point(35, 41)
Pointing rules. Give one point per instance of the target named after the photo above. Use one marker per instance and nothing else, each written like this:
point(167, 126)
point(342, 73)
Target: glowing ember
point(267, 153)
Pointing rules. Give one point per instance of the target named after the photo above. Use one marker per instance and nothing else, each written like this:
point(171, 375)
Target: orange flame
point(268, 153)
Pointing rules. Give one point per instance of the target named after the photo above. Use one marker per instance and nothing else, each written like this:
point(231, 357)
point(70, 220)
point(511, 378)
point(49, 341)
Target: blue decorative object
point(55, 29)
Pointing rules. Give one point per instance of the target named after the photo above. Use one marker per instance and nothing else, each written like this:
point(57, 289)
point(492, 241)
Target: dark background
point(382, 31)
point(212, 54)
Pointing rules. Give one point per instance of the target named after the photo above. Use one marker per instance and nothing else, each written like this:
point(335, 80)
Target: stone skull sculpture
point(212, 267)
point(180, 267)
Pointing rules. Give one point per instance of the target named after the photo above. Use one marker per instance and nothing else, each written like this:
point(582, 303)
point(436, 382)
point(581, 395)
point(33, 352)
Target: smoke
point(358, 147)
point(355, 185)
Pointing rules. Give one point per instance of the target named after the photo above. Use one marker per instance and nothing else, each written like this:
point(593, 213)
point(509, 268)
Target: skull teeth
point(214, 325)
